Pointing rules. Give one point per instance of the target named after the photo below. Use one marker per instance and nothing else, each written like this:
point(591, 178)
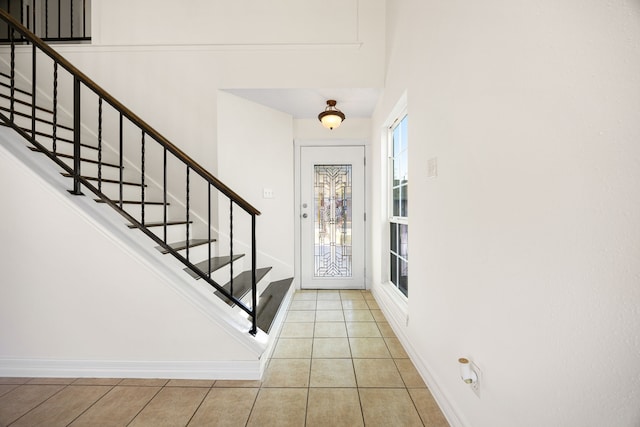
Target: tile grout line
point(92, 405)
point(145, 405)
point(355, 376)
point(313, 337)
point(39, 404)
point(199, 405)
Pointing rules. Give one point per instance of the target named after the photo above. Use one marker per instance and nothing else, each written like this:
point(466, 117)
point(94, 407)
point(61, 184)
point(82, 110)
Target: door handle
point(304, 215)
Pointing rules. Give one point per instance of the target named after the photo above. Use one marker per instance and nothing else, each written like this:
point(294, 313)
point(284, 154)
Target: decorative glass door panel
point(332, 217)
point(332, 239)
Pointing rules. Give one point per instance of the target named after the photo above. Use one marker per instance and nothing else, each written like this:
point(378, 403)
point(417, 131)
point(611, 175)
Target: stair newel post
point(76, 136)
point(254, 288)
point(33, 90)
point(142, 179)
point(231, 246)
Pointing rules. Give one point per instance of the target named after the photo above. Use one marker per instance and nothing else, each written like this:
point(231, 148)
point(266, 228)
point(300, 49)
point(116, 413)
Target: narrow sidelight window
point(398, 205)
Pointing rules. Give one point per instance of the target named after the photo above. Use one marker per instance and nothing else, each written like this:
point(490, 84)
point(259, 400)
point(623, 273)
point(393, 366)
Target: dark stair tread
point(242, 284)
point(133, 202)
point(270, 301)
point(158, 224)
point(69, 156)
point(178, 246)
point(105, 181)
point(216, 263)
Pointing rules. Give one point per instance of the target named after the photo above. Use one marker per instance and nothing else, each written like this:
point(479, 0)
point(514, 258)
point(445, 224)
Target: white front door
point(332, 223)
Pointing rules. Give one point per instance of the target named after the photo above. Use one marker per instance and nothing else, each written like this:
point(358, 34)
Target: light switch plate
point(267, 193)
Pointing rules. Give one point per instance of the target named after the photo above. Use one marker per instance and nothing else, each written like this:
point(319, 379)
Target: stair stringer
point(160, 324)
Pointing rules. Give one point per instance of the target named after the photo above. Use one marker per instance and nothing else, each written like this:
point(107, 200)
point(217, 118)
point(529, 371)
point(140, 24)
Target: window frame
point(392, 218)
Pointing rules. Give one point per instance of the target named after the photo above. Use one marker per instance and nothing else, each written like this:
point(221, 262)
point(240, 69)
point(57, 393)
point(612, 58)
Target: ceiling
point(308, 103)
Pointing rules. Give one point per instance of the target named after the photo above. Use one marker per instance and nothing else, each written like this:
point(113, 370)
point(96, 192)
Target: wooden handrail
point(192, 164)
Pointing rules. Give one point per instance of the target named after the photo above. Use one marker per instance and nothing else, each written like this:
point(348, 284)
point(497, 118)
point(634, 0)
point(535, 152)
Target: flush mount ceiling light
point(331, 117)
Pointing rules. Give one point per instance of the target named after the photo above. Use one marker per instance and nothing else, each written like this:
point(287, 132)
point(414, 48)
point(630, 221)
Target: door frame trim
point(298, 144)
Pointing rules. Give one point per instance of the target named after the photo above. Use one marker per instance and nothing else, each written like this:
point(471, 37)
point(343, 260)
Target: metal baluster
point(254, 289)
point(84, 18)
point(46, 18)
point(164, 197)
point(142, 180)
point(22, 21)
point(71, 16)
point(187, 213)
point(76, 136)
point(33, 91)
point(13, 74)
point(209, 227)
point(35, 29)
point(9, 29)
point(55, 107)
point(59, 22)
point(231, 246)
point(100, 144)
point(121, 158)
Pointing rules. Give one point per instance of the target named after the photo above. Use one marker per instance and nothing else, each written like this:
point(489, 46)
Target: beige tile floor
point(336, 363)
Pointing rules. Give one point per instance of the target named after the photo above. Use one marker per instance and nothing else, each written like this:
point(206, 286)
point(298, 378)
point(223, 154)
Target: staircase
point(105, 149)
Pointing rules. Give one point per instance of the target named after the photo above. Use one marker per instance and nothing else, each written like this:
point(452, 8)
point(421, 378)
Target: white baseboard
point(218, 370)
point(396, 314)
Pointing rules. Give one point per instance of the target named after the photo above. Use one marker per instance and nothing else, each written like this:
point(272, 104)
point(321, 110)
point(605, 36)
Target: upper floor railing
point(50, 20)
point(56, 82)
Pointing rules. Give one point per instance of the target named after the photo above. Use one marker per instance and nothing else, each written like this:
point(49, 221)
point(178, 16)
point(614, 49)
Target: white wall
point(173, 83)
point(256, 153)
point(215, 21)
point(524, 250)
point(82, 295)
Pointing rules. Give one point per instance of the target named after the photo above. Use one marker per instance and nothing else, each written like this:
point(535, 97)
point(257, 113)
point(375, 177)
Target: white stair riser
point(198, 253)
point(175, 233)
point(41, 126)
point(129, 192)
point(91, 169)
point(85, 152)
point(44, 135)
point(222, 274)
point(152, 213)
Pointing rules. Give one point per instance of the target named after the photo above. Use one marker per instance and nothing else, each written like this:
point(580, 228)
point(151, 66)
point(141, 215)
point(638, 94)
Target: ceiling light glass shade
point(331, 117)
